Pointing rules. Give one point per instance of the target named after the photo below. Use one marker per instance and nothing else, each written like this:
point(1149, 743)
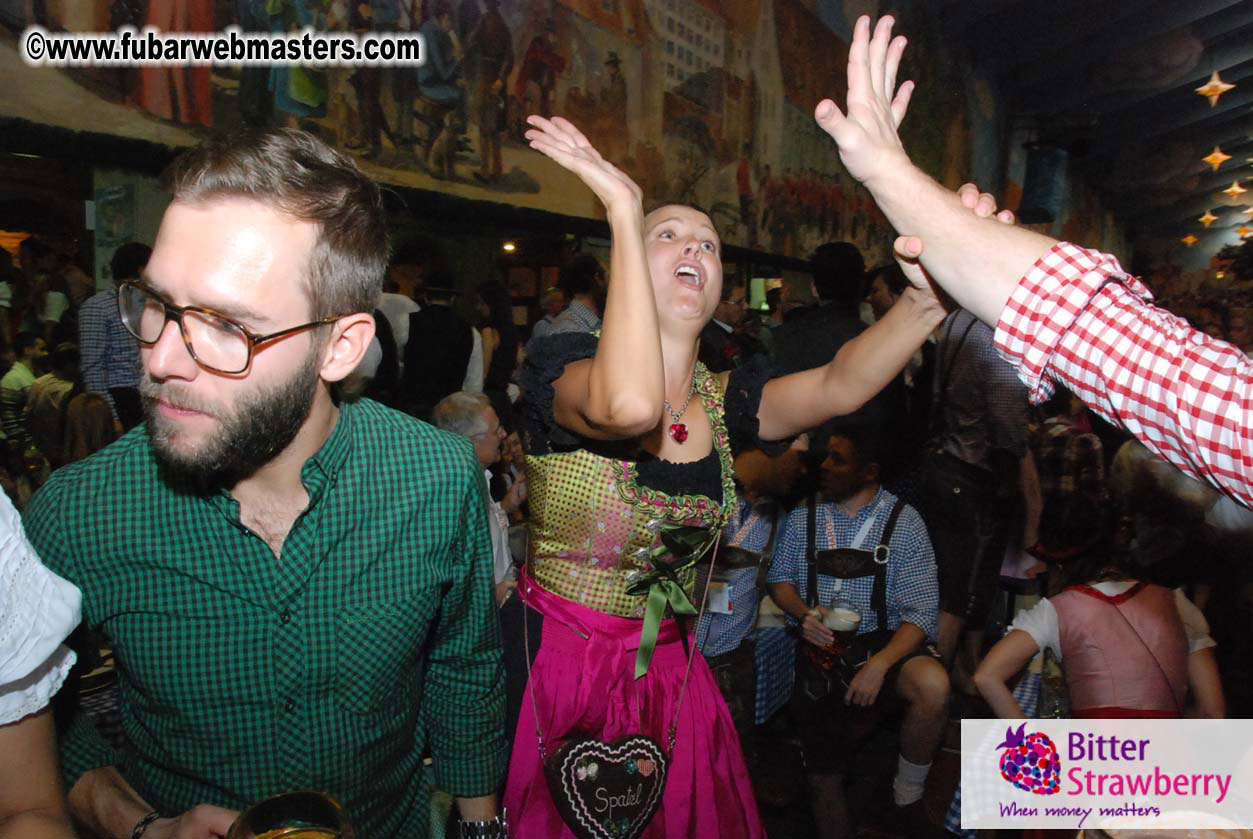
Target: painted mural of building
point(816, 69)
point(753, 47)
point(672, 90)
point(693, 34)
point(723, 90)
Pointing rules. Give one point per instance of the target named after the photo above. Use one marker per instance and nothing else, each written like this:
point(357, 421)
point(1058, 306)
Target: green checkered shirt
point(373, 640)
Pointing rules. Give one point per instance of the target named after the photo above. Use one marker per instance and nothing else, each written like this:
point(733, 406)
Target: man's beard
point(839, 490)
point(249, 436)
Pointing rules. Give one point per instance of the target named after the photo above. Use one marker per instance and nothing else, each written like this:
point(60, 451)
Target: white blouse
point(37, 610)
point(1040, 621)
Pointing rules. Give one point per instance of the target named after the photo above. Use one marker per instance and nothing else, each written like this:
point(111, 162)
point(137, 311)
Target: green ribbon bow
point(687, 544)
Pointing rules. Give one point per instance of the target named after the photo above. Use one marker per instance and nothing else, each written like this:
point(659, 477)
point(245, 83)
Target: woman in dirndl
point(630, 447)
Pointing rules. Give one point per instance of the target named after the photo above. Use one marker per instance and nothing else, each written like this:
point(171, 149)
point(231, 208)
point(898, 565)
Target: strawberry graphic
point(1030, 762)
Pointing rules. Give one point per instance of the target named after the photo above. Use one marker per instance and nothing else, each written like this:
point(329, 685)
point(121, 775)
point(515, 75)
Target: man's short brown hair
point(298, 174)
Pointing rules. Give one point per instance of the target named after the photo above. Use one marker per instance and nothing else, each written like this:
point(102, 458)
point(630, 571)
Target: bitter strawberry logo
point(1030, 762)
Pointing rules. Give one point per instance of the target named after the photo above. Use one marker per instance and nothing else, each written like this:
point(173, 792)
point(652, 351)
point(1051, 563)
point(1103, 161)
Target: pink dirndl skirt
point(585, 687)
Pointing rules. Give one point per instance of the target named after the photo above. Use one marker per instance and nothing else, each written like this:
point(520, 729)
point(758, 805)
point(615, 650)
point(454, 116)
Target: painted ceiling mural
point(705, 101)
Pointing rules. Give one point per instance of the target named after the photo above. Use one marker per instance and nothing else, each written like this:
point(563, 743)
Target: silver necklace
point(678, 429)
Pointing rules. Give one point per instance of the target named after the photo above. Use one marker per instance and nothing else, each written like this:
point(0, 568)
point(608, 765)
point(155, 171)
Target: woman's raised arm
point(617, 393)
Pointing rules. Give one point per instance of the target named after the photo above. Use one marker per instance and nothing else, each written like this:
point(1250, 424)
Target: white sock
point(911, 779)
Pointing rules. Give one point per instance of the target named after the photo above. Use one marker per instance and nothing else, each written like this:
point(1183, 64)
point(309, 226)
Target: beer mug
point(303, 814)
point(843, 619)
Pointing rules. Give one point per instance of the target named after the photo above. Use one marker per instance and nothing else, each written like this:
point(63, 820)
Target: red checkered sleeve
point(1078, 320)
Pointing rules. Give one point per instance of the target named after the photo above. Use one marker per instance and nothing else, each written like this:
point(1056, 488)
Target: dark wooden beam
point(1231, 59)
point(959, 16)
point(1033, 31)
point(1201, 123)
point(1067, 66)
point(1179, 115)
point(1207, 196)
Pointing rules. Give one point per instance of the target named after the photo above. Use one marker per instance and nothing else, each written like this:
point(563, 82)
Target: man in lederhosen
point(866, 553)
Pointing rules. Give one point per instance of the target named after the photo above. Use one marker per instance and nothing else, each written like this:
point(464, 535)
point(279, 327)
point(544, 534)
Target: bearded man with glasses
point(298, 588)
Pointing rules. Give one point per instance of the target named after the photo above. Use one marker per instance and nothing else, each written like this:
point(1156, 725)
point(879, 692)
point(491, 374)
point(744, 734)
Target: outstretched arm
point(618, 393)
point(866, 364)
point(871, 150)
point(861, 368)
point(976, 260)
point(1073, 316)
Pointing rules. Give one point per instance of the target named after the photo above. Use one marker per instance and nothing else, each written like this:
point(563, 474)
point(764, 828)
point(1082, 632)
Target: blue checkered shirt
point(913, 591)
point(775, 660)
point(749, 528)
point(110, 354)
point(577, 317)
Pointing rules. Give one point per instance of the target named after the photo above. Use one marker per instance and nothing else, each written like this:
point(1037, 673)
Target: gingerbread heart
point(607, 790)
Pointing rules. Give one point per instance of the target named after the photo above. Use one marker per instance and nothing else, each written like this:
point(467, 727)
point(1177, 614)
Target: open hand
point(867, 135)
point(558, 139)
point(982, 204)
point(865, 687)
point(515, 496)
point(504, 589)
point(814, 630)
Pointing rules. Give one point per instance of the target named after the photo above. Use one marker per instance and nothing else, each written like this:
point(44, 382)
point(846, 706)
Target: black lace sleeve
point(744, 388)
point(546, 360)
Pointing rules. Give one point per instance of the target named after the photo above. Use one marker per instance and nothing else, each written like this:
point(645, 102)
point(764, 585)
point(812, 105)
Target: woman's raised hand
point(866, 135)
point(908, 249)
point(560, 140)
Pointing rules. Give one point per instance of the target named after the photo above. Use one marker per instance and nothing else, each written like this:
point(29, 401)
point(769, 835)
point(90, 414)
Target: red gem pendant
point(678, 431)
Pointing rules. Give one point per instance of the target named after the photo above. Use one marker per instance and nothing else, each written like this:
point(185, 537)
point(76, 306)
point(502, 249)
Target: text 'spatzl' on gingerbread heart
point(607, 790)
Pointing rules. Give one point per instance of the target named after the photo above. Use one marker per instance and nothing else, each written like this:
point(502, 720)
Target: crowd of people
point(350, 541)
point(69, 386)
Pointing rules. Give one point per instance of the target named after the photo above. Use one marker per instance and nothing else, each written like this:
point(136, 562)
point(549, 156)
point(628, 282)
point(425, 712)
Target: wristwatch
point(497, 828)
